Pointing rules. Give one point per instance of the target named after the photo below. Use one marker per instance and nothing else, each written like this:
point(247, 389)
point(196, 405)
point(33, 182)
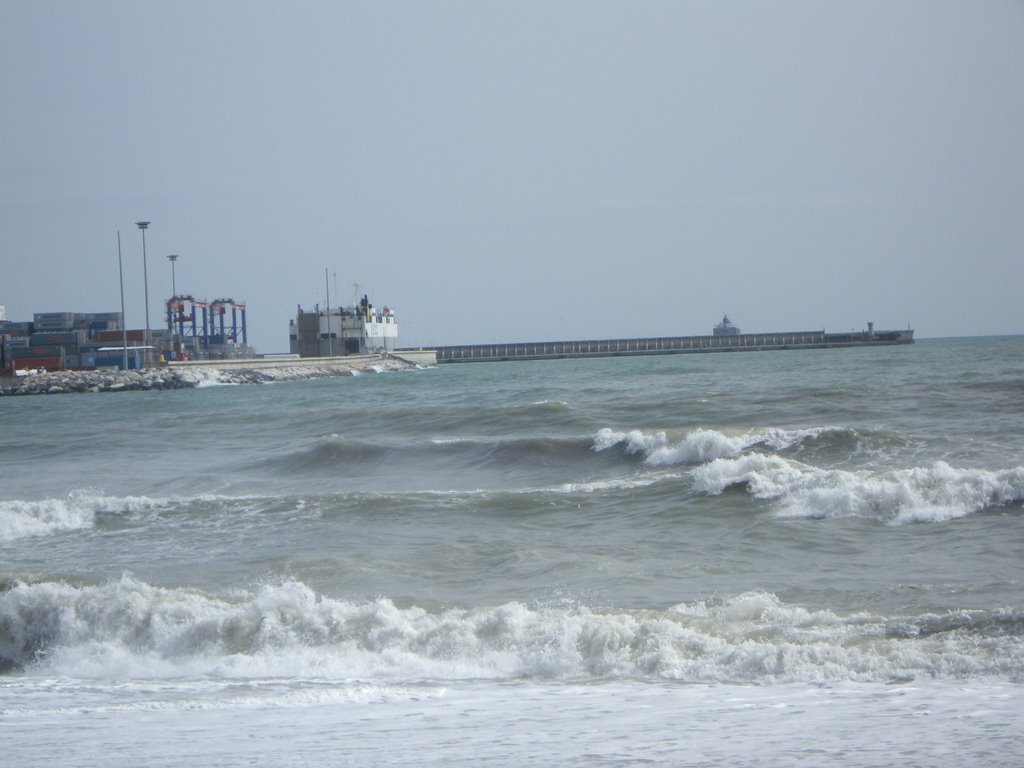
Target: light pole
point(124, 328)
point(173, 258)
point(143, 225)
point(330, 341)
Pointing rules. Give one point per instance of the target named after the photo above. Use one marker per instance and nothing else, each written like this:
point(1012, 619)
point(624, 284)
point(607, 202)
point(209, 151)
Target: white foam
point(922, 494)
point(700, 445)
point(22, 519)
point(127, 629)
point(539, 724)
point(203, 377)
point(176, 696)
point(633, 441)
point(614, 484)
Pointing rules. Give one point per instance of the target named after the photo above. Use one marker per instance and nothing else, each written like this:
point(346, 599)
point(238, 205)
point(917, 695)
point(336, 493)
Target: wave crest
point(130, 629)
point(701, 445)
point(921, 494)
point(78, 511)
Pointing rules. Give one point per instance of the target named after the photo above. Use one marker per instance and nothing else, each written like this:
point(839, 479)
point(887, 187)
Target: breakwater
point(669, 345)
point(64, 382)
point(196, 374)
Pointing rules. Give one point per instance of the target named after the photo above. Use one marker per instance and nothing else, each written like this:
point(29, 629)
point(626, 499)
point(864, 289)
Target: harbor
point(326, 341)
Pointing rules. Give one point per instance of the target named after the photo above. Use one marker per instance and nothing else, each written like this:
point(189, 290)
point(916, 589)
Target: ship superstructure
point(355, 330)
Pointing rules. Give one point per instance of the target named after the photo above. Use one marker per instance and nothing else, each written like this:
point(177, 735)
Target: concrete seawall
point(669, 345)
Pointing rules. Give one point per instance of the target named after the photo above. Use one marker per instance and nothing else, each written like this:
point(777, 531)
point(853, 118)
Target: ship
point(360, 329)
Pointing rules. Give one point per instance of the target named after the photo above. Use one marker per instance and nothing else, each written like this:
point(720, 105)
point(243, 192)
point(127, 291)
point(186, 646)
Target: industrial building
point(355, 330)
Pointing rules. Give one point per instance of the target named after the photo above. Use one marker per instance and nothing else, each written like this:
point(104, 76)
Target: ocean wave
point(611, 484)
point(527, 452)
point(79, 510)
point(333, 450)
point(325, 454)
point(921, 494)
point(702, 445)
point(553, 405)
point(127, 629)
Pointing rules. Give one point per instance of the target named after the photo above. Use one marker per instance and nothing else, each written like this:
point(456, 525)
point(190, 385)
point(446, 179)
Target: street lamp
point(143, 225)
point(173, 258)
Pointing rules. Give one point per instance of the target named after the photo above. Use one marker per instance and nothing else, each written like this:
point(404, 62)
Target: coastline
point(197, 374)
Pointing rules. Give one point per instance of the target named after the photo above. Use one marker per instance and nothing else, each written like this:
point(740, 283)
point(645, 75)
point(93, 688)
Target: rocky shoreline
point(64, 382)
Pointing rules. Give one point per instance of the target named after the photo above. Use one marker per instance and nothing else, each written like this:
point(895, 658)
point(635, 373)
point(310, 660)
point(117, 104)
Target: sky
point(501, 171)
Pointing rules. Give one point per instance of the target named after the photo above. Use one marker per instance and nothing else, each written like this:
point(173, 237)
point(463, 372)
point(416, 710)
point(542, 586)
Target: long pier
point(669, 345)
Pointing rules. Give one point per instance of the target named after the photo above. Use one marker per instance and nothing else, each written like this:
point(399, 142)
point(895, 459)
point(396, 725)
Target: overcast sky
point(512, 171)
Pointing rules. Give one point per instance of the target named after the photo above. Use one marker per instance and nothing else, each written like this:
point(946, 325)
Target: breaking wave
point(702, 444)
point(77, 511)
point(921, 494)
point(128, 629)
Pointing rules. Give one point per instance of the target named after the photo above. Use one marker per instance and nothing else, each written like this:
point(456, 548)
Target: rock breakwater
point(64, 382)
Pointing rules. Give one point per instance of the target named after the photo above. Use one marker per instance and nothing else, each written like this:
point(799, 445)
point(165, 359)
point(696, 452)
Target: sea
point(793, 558)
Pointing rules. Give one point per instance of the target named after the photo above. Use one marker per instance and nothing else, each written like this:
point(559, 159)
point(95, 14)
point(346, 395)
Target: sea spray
point(918, 495)
point(129, 628)
point(21, 519)
point(701, 445)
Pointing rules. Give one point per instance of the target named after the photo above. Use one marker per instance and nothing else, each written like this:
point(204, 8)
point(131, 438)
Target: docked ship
point(361, 329)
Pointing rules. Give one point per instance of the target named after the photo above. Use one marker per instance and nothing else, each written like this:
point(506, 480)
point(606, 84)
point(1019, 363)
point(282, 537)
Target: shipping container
point(104, 325)
point(27, 353)
point(135, 335)
point(46, 321)
point(17, 341)
point(107, 360)
point(104, 317)
point(68, 338)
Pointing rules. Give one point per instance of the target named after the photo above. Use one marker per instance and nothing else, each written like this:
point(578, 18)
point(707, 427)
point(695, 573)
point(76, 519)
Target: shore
point(195, 375)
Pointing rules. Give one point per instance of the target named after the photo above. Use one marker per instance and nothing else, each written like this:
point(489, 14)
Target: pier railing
point(751, 342)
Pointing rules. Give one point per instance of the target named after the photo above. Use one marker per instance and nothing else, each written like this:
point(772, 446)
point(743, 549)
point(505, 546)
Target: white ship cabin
point(356, 330)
